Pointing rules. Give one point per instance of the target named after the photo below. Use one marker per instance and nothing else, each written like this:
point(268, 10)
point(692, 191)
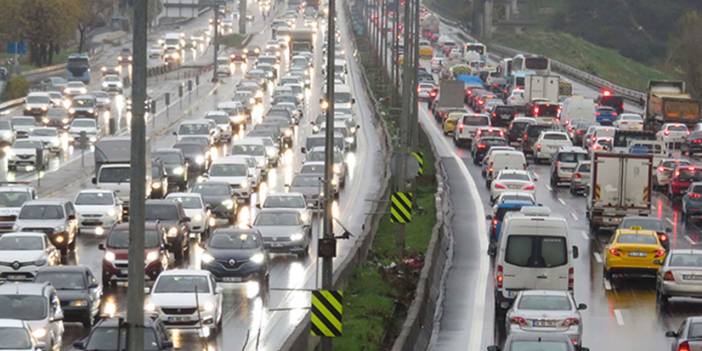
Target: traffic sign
point(419, 156)
point(401, 204)
point(16, 47)
point(327, 312)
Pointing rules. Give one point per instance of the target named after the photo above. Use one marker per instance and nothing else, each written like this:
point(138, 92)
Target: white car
point(254, 170)
point(516, 98)
point(12, 197)
point(234, 172)
point(512, 180)
point(112, 82)
point(24, 153)
point(221, 118)
point(18, 336)
point(196, 209)
point(672, 133)
point(425, 91)
point(289, 201)
point(37, 103)
point(87, 125)
point(75, 88)
point(548, 143)
point(23, 253)
point(98, 211)
point(629, 121)
point(49, 136)
point(186, 299)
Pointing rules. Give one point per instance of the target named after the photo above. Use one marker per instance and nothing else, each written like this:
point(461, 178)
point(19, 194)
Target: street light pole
point(137, 184)
point(215, 45)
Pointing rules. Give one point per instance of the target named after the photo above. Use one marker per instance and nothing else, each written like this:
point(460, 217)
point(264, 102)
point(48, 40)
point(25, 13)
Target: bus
point(538, 64)
point(474, 52)
point(78, 68)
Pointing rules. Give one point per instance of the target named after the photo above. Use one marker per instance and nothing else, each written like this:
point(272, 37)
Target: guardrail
point(11, 103)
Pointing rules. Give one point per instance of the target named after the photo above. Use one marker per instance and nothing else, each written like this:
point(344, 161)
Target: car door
point(217, 294)
point(52, 254)
point(94, 292)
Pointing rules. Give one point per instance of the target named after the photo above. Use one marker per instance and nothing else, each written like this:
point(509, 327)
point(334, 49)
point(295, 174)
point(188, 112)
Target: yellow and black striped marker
point(327, 310)
point(401, 207)
point(419, 156)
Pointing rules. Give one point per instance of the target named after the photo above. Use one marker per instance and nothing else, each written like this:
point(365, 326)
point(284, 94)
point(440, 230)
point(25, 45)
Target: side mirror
point(671, 334)
point(218, 290)
point(353, 101)
point(488, 217)
point(94, 180)
point(493, 348)
point(78, 345)
point(303, 150)
point(101, 247)
point(576, 252)
point(582, 307)
point(147, 290)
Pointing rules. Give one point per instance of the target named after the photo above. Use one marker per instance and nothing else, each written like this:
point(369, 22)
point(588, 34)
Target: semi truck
point(620, 186)
point(301, 40)
point(669, 102)
point(451, 96)
point(541, 87)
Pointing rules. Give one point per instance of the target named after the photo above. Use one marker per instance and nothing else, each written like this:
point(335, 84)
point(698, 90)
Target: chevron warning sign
point(419, 156)
point(327, 310)
point(401, 207)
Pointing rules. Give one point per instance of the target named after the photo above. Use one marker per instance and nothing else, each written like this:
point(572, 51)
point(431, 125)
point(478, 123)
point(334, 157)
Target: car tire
point(87, 321)
point(607, 275)
point(304, 253)
point(106, 282)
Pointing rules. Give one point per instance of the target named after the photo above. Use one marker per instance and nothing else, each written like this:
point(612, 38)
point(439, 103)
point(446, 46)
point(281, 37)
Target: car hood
point(71, 295)
point(21, 255)
point(279, 230)
point(306, 190)
point(215, 200)
point(77, 130)
point(35, 105)
point(24, 152)
point(44, 138)
point(94, 209)
point(230, 180)
point(184, 300)
point(236, 254)
point(39, 223)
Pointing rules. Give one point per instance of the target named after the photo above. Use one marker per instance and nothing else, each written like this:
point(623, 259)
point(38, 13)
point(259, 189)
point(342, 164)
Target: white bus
point(540, 65)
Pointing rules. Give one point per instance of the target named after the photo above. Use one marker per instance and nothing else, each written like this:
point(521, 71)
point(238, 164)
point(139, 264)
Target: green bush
point(16, 88)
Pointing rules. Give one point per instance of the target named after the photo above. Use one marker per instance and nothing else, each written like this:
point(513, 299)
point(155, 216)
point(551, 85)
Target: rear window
point(555, 136)
point(514, 176)
point(545, 303)
point(680, 128)
point(687, 174)
point(476, 121)
point(637, 239)
point(572, 157)
point(536, 251)
point(697, 189)
point(673, 164)
point(686, 260)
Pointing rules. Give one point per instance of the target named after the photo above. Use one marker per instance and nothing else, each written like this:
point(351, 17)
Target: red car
point(116, 247)
point(682, 178)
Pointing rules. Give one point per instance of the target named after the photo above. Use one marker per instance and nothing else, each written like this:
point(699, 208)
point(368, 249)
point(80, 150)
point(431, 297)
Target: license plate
point(514, 187)
point(692, 277)
point(15, 277)
point(505, 116)
point(543, 323)
point(231, 279)
point(637, 254)
point(277, 245)
point(178, 319)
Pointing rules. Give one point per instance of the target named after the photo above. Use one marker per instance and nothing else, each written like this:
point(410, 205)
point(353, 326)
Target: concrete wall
point(180, 8)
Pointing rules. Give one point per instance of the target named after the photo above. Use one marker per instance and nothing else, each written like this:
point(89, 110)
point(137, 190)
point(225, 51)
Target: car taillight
point(684, 346)
point(695, 196)
point(662, 237)
point(571, 278)
point(494, 114)
point(659, 253)
point(494, 223)
point(500, 186)
point(518, 320)
point(460, 128)
point(615, 252)
point(597, 113)
point(667, 132)
point(697, 141)
point(577, 176)
point(480, 102)
point(538, 147)
point(661, 169)
point(536, 111)
point(668, 276)
point(677, 173)
point(614, 114)
point(528, 187)
point(481, 146)
point(570, 322)
point(499, 277)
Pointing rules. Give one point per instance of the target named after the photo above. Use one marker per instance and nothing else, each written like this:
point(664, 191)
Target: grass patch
point(586, 56)
point(234, 40)
point(25, 65)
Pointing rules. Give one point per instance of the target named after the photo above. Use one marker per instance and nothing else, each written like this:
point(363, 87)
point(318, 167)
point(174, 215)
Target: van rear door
point(536, 261)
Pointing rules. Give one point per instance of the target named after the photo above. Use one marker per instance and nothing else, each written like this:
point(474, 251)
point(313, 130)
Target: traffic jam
point(592, 203)
point(233, 193)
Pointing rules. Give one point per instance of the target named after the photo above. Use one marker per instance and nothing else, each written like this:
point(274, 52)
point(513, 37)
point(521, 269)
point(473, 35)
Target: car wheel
point(87, 321)
point(106, 283)
point(606, 274)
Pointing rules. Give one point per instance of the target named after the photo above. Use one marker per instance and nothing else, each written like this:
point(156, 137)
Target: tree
point(92, 14)
point(686, 51)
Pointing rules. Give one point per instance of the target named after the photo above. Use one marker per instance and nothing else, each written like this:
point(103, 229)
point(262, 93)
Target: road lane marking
point(548, 187)
point(598, 257)
point(585, 235)
point(669, 221)
point(575, 217)
point(689, 239)
point(607, 284)
point(618, 317)
point(561, 201)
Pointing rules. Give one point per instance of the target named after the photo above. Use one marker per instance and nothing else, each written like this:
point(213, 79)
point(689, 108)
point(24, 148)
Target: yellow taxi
point(426, 51)
point(451, 121)
point(633, 251)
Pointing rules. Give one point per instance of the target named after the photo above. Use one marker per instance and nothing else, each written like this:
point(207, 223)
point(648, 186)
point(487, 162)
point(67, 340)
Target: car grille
point(47, 231)
point(276, 238)
point(25, 157)
point(8, 218)
point(237, 263)
point(185, 310)
point(91, 215)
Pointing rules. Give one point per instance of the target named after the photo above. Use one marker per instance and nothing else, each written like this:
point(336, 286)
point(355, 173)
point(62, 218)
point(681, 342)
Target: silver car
point(680, 275)
point(22, 254)
point(38, 305)
point(284, 231)
point(546, 311)
point(580, 179)
point(537, 341)
point(311, 187)
point(688, 336)
point(18, 336)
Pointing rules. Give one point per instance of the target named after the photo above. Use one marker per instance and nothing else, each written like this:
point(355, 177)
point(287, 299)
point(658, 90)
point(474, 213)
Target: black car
point(84, 105)
point(110, 332)
point(220, 197)
point(502, 115)
point(125, 56)
point(693, 143)
point(480, 148)
point(197, 156)
point(236, 255)
point(175, 165)
point(577, 130)
point(77, 289)
point(56, 117)
point(172, 216)
point(516, 129)
point(159, 180)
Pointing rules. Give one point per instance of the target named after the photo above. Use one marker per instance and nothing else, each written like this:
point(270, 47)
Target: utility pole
point(137, 184)
point(400, 181)
point(395, 51)
point(242, 17)
point(215, 45)
point(328, 241)
point(414, 116)
point(381, 37)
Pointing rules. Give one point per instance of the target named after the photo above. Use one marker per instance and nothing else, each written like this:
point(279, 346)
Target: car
point(23, 253)
point(680, 275)
point(85, 106)
point(502, 159)
point(538, 342)
point(632, 251)
point(36, 104)
point(102, 99)
point(98, 211)
point(602, 144)
point(531, 134)
point(38, 305)
point(576, 131)
point(580, 179)
point(186, 299)
point(246, 99)
point(501, 115)
point(155, 52)
point(692, 144)
point(509, 201)
point(125, 56)
point(481, 147)
point(426, 91)
point(483, 132)
point(222, 119)
point(54, 83)
point(235, 255)
point(17, 335)
point(57, 117)
point(665, 169)
point(78, 290)
point(512, 179)
point(12, 196)
point(23, 125)
point(75, 88)
point(176, 166)
point(649, 223)
point(595, 132)
point(171, 215)
point(220, 197)
point(468, 126)
point(546, 311)
point(235, 172)
point(629, 121)
point(340, 168)
point(109, 332)
point(54, 217)
point(516, 129)
point(252, 147)
point(288, 201)
point(80, 125)
point(110, 71)
point(196, 209)
point(25, 152)
point(48, 136)
point(548, 144)
point(317, 168)
point(673, 133)
point(692, 201)
point(310, 186)
point(197, 127)
point(682, 177)
point(284, 231)
point(197, 155)
point(116, 251)
point(563, 164)
point(448, 125)
point(158, 182)
point(605, 115)
point(112, 83)
point(7, 134)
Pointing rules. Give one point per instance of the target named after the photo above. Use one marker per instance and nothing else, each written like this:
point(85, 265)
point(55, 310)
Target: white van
point(533, 253)
point(504, 159)
point(252, 147)
point(656, 148)
point(343, 98)
point(578, 108)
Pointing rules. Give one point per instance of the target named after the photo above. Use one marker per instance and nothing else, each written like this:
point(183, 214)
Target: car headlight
point(39, 333)
point(207, 258)
point(199, 159)
point(252, 101)
point(40, 262)
point(315, 129)
point(150, 307)
point(91, 110)
point(156, 185)
point(207, 307)
point(66, 120)
point(304, 217)
point(178, 170)
point(44, 108)
point(337, 169)
point(79, 303)
point(83, 91)
point(59, 228)
point(110, 256)
point(296, 237)
point(353, 130)
point(257, 258)
point(288, 132)
point(172, 232)
point(151, 256)
point(111, 212)
point(244, 185)
point(229, 204)
point(270, 153)
point(45, 120)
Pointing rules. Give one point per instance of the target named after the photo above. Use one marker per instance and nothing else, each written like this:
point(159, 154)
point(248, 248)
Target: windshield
point(555, 136)
point(306, 181)
point(168, 157)
point(182, 284)
point(41, 212)
point(15, 339)
point(277, 218)
point(514, 176)
point(342, 98)
point(194, 129)
point(646, 149)
point(119, 239)
point(38, 99)
point(524, 345)
point(637, 239)
point(234, 241)
point(677, 128)
point(101, 198)
point(644, 223)
point(23, 122)
point(23, 307)
point(312, 169)
point(189, 148)
point(15, 243)
point(83, 123)
point(62, 280)
point(318, 156)
point(189, 202)
point(105, 339)
point(219, 119)
point(281, 201)
point(13, 198)
point(161, 212)
point(229, 170)
point(476, 120)
point(212, 189)
point(114, 175)
point(536, 251)
point(45, 132)
point(244, 149)
point(572, 157)
point(83, 102)
point(545, 303)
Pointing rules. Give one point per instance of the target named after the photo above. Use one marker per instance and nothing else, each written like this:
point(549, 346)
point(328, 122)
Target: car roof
point(180, 271)
point(12, 323)
point(71, 268)
point(545, 293)
point(45, 201)
point(27, 233)
point(628, 231)
point(576, 149)
point(160, 202)
point(23, 288)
